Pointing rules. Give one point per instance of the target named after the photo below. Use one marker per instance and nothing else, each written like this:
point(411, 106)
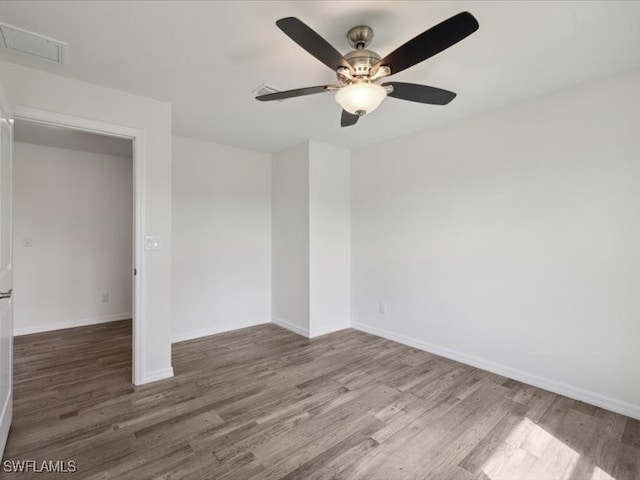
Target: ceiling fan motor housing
point(362, 60)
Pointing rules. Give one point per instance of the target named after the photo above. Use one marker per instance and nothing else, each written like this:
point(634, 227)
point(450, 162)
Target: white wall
point(512, 240)
point(33, 88)
point(329, 238)
point(290, 239)
point(77, 209)
point(221, 238)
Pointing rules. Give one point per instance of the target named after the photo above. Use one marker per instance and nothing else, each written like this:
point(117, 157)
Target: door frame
point(6, 405)
point(137, 138)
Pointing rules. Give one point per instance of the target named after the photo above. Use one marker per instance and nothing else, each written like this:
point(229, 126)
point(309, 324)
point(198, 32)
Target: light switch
point(26, 242)
point(152, 243)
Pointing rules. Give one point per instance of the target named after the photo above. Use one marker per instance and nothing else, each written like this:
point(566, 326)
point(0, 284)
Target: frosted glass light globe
point(360, 98)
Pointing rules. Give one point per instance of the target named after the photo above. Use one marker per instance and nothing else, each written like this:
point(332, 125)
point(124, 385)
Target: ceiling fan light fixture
point(360, 98)
point(359, 91)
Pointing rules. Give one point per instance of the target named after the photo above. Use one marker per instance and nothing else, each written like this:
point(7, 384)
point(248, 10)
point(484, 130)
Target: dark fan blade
point(299, 92)
point(430, 42)
point(313, 43)
point(348, 119)
point(420, 93)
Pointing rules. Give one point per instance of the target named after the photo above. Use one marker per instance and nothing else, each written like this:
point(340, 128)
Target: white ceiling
point(207, 58)
point(61, 137)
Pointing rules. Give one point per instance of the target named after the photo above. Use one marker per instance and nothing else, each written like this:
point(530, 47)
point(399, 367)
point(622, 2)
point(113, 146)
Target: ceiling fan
point(360, 72)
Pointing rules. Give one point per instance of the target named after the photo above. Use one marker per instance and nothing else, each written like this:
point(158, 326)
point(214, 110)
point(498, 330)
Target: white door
point(6, 275)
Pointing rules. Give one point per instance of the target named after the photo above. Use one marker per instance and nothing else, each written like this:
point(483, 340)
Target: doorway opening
point(77, 223)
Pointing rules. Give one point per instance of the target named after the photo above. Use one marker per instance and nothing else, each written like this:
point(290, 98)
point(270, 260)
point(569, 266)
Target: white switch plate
point(27, 242)
point(382, 308)
point(152, 243)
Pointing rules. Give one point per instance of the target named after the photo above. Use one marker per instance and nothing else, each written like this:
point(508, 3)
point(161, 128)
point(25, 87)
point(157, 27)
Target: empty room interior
point(356, 240)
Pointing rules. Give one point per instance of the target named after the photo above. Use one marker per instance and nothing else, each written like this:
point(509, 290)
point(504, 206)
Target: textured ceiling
point(207, 58)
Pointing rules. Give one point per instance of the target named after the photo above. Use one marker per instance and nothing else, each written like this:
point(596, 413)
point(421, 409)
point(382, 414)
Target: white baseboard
point(83, 322)
point(318, 332)
point(182, 337)
point(156, 375)
point(289, 326)
point(612, 404)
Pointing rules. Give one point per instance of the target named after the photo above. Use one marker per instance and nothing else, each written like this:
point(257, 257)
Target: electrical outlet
point(105, 298)
point(27, 242)
point(382, 308)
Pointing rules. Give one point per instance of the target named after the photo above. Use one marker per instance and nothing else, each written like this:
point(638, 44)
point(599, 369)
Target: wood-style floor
point(264, 403)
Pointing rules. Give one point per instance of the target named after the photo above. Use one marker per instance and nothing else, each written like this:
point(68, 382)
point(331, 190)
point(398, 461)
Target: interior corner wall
point(75, 208)
point(54, 93)
point(290, 239)
point(221, 238)
point(311, 248)
point(329, 238)
point(510, 240)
